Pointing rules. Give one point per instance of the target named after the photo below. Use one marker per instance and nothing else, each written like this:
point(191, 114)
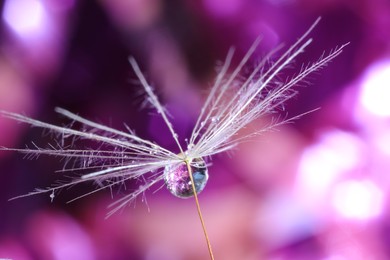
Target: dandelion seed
point(124, 156)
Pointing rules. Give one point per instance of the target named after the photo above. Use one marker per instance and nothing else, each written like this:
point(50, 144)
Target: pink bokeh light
point(361, 200)
point(375, 90)
point(57, 236)
point(323, 163)
point(25, 17)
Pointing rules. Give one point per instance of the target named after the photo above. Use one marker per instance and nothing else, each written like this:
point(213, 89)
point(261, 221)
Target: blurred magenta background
point(315, 189)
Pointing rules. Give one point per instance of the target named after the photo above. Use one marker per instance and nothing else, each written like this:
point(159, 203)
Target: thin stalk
point(199, 211)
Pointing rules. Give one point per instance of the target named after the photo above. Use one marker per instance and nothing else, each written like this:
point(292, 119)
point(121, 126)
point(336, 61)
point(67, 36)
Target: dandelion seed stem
point(199, 211)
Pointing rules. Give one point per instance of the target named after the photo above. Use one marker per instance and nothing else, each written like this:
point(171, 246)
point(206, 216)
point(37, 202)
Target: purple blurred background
point(315, 189)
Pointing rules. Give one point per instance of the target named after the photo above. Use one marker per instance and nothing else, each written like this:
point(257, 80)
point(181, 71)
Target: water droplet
point(52, 196)
point(178, 181)
point(215, 119)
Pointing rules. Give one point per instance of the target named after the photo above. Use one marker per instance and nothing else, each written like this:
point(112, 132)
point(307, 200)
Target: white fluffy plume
point(231, 105)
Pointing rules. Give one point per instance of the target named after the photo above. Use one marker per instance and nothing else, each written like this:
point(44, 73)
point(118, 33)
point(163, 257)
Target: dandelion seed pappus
point(231, 105)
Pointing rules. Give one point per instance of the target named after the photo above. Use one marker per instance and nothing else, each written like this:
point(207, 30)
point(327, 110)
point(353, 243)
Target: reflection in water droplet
point(178, 181)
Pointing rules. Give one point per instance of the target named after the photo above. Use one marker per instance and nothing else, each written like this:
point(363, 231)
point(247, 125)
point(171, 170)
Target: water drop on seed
point(178, 181)
point(215, 119)
point(52, 196)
